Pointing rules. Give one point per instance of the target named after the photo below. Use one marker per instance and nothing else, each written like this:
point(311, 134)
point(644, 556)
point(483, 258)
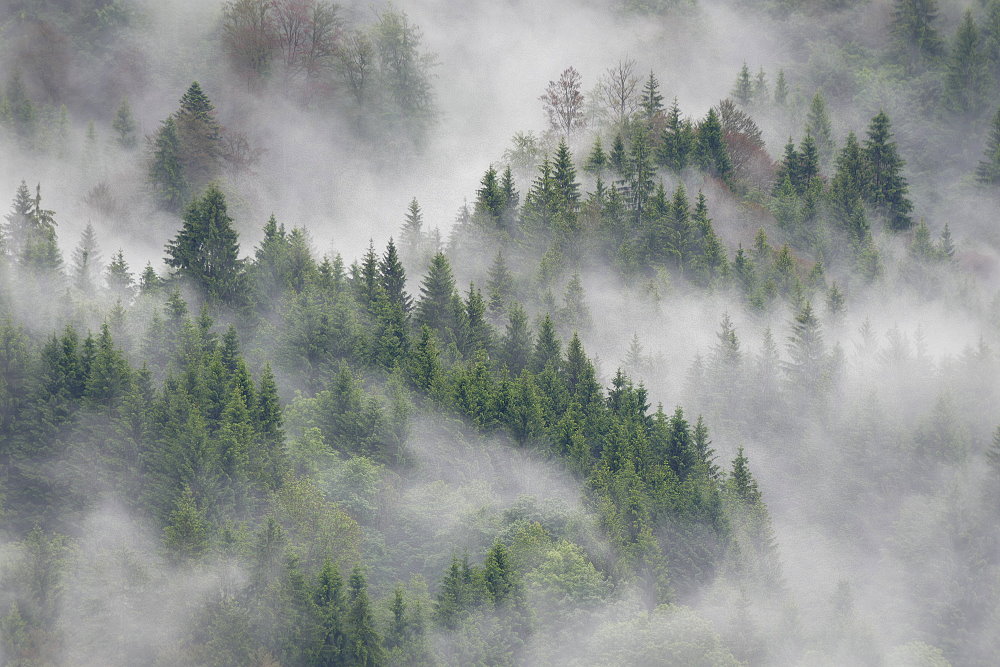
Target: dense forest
point(608, 332)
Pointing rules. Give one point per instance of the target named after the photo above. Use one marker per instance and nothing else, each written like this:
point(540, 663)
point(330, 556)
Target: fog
point(877, 480)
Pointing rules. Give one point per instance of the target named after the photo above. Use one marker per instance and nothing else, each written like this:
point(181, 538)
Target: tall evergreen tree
point(200, 136)
point(710, 150)
point(124, 125)
point(988, 171)
point(206, 250)
point(436, 291)
point(652, 100)
point(87, 261)
point(392, 279)
point(742, 90)
point(676, 141)
point(819, 128)
point(915, 37)
point(166, 170)
point(886, 186)
point(780, 89)
point(967, 82)
point(364, 644)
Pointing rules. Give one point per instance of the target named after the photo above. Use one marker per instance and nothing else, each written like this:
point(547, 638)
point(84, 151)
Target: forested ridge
point(715, 386)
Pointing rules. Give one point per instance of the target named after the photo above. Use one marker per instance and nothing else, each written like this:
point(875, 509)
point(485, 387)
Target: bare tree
point(249, 36)
point(618, 91)
point(563, 102)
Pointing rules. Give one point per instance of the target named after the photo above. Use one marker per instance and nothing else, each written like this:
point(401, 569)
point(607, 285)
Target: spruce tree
point(40, 251)
point(988, 171)
point(436, 291)
point(392, 279)
point(118, 277)
point(166, 171)
point(364, 644)
point(597, 161)
point(499, 287)
point(967, 82)
point(124, 125)
point(886, 187)
point(411, 236)
point(564, 177)
point(916, 39)
point(206, 250)
point(676, 141)
point(710, 150)
point(87, 261)
point(780, 89)
point(742, 90)
point(819, 128)
point(19, 224)
point(761, 94)
point(652, 100)
point(489, 198)
point(200, 136)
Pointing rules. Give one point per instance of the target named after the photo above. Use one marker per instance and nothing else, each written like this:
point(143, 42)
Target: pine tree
point(206, 250)
point(547, 350)
point(848, 189)
point(988, 171)
point(200, 136)
point(760, 92)
point(742, 90)
point(806, 350)
point(511, 200)
point(652, 100)
point(364, 644)
point(392, 279)
point(87, 261)
point(489, 198)
point(780, 89)
point(411, 236)
point(124, 125)
point(166, 172)
point(436, 291)
point(516, 343)
point(19, 224)
point(819, 128)
point(119, 278)
point(967, 82)
point(886, 186)
point(597, 161)
point(330, 601)
point(40, 251)
point(913, 31)
point(500, 286)
point(710, 150)
point(564, 177)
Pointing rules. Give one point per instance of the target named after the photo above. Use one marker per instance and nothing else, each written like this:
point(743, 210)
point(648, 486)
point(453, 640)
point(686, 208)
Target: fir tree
point(676, 141)
point(760, 92)
point(39, 251)
point(206, 250)
point(742, 90)
point(564, 177)
point(597, 161)
point(967, 81)
point(988, 171)
point(652, 100)
point(411, 236)
point(489, 197)
point(166, 172)
point(87, 261)
point(18, 229)
point(392, 279)
point(200, 136)
point(500, 286)
point(710, 150)
point(436, 291)
point(780, 89)
point(916, 38)
point(124, 125)
point(364, 644)
point(119, 278)
point(819, 128)
point(886, 186)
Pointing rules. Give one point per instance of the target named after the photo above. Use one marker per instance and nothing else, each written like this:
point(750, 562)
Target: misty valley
point(582, 332)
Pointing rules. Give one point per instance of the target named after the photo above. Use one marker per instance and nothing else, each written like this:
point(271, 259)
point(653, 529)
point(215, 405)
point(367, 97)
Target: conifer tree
point(652, 100)
point(967, 81)
point(206, 250)
point(200, 136)
point(18, 228)
point(710, 150)
point(761, 94)
point(913, 31)
point(676, 141)
point(618, 157)
point(988, 171)
point(511, 200)
point(87, 261)
point(500, 286)
point(780, 89)
point(886, 186)
point(411, 237)
point(40, 251)
point(436, 291)
point(489, 198)
point(166, 171)
point(597, 161)
point(364, 644)
point(547, 348)
point(392, 279)
point(848, 189)
point(742, 90)
point(806, 350)
point(564, 177)
point(124, 125)
point(819, 128)
point(119, 278)
point(516, 344)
